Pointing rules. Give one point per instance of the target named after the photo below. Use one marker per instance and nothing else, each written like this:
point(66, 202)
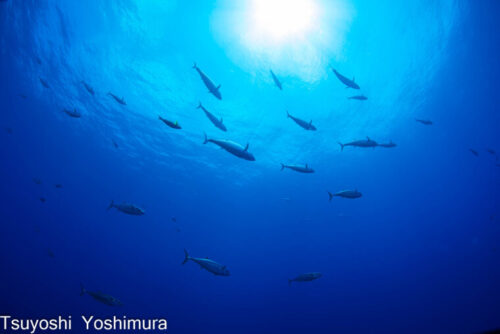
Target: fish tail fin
point(287, 114)
point(282, 166)
point(341, 146)
point(82, 289)
point(112, 204)
point(206, 138)
point(159, 117)
point(186, 256)
point(194, 65)
point(289, 282)
point(330, 195)
point(199, 105)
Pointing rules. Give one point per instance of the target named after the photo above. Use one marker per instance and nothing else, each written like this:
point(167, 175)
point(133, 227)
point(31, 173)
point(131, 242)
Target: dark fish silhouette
point(218, 123)
point(424, 121)
point(276, 80)
point(101, 297)
point(58, 185)
point(117, 99)
point(303, 124)
point(44, 83)
point(209, 83)
point(360, 143)
point(348, 82)
point(358, 97)
point(474, 152)
point(173, 125)
point(307, 277)
point(42, 199)
point(88, 88)
point(72, 113)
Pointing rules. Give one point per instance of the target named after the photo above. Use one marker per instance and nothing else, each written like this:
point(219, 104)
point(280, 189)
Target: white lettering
point(87, 322)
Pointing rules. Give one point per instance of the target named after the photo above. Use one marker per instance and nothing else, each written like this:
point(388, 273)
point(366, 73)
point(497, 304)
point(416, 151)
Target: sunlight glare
point(280, 20)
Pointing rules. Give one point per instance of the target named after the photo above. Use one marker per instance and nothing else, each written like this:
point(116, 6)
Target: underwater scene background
point(417, 253)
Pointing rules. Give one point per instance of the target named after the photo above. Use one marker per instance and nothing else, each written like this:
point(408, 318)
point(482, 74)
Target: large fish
point(209, 83)
point(360, 143)
point(101, 297)
point(352, 194)
point(173, 125)
point(232, 147)
point(218, 123)
point(307, 277)
point(300, 169)
point(129, 209)
point(207, 264)
point(348, 82)
point(303, 124)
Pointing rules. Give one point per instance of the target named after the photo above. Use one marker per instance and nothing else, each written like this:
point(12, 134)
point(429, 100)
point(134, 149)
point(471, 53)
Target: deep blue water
point(417, 253)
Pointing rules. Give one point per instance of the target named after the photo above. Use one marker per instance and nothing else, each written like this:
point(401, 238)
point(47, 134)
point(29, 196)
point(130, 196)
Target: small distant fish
point(352, 194)
point(177, 230)
point(42, 199)
point(303, 124)
point(129, 209)
point(388, 145)
point(38, 61)
point(276, 80)
point(349, 83)
point(300, 169)
point(307, 277)
point(232, 147)
point(101, 297)
point(44, 83)
point(114, 143)
point(9, 130)
point(173, 125)
point(37, 181)
point(72, 113)
point(424, 121)
point(58, 185)
point(88, 88)
point(23, 96)
point(117, 99)
point(474, 152)
point(50, 253)
point(491, 151)
point(360, 143)
point(174, 219)
point(358, 97)
point(207, 264)
point(208, 83)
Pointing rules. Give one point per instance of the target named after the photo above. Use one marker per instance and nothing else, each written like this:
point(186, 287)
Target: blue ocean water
point(417, 253)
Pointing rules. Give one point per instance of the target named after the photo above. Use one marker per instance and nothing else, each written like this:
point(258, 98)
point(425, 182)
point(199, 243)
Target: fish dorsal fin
point(218, 87)
point(310, 122)
point(246, 148)
point(306, 166)
point(176, 123)
point(367, 138)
